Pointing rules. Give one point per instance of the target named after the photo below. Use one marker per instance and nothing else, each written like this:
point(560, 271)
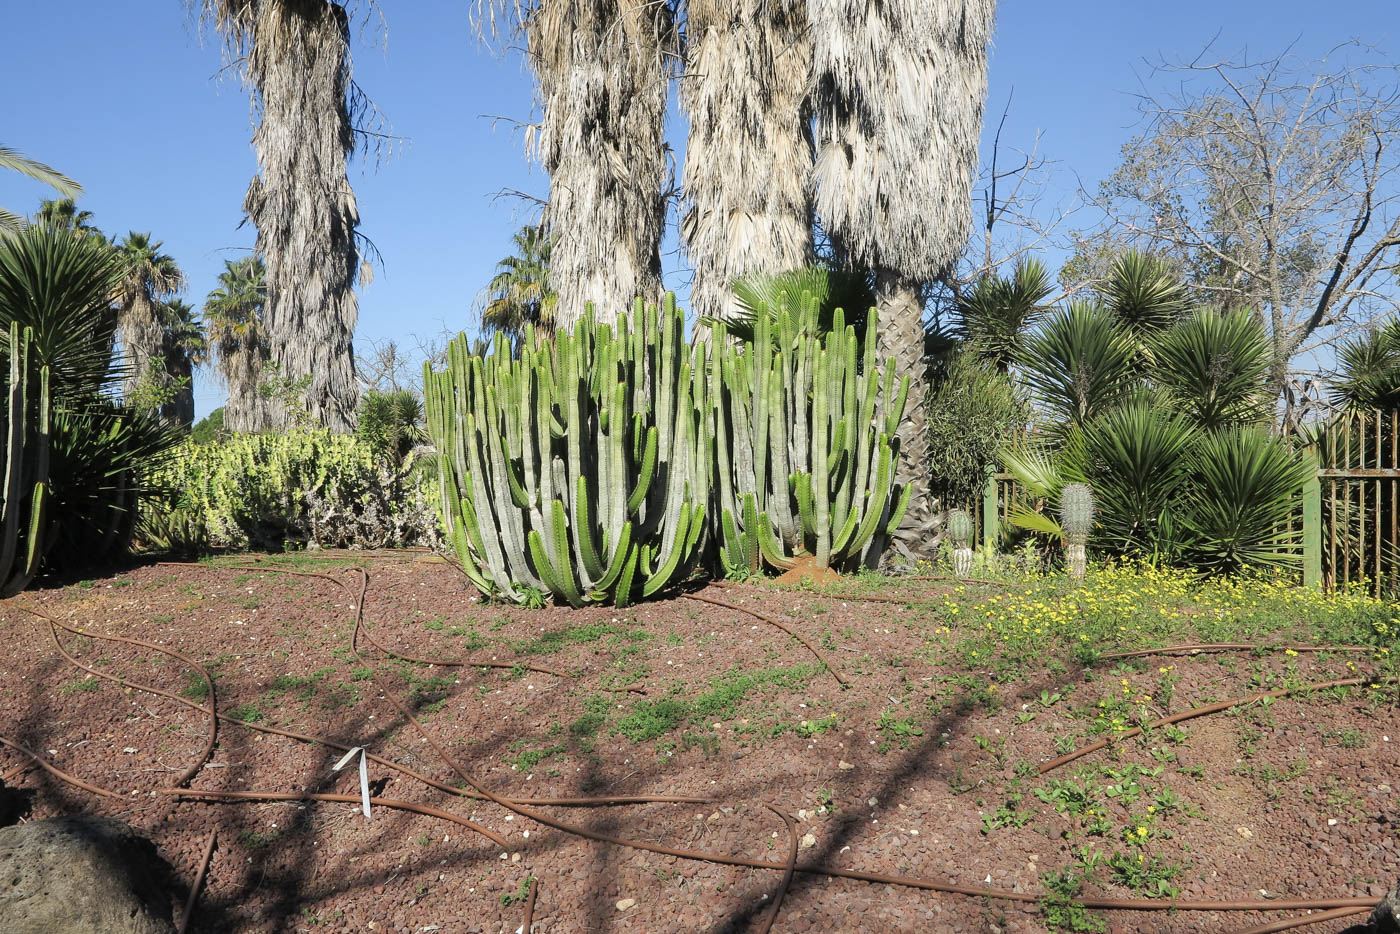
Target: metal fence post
point(1312, 532)
point(991, 521)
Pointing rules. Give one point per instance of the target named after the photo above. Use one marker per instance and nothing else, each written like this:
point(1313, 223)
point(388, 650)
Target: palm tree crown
point(519, 293)
point(233, 319)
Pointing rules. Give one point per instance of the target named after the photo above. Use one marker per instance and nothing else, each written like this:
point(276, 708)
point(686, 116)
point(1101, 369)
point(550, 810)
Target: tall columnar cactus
point(1076, 519)
point(579, 468)
point(805, 445)
point(960, 533)
point(24, 427)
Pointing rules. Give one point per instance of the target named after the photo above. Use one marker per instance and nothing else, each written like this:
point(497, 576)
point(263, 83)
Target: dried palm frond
point(749, 153)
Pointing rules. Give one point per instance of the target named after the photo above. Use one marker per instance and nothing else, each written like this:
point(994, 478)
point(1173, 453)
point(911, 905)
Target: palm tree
point(749, 152)
point(18, 162)
point(519, 294)
point(233, 320)
point(296, 56)
point(184, 347)
point(899, 89)
point(602, 67)
point(152, 277)
point(63, 213)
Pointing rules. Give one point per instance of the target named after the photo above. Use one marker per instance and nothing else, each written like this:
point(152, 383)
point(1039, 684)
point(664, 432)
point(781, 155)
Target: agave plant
point(996, 313)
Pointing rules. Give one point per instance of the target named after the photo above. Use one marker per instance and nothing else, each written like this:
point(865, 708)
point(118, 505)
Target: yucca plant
point(1214, 367)
point(1081, 362)
point(1144, 293)
point(580, 468)
point(805, 447)
point(995, 315)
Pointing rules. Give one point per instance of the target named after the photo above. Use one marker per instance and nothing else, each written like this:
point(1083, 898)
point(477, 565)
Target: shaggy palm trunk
point(748, 157)
point(241, 361)
point(142, 339)
point(603, 85)
point(179, 411)
point(301, 202)
point(899, 88)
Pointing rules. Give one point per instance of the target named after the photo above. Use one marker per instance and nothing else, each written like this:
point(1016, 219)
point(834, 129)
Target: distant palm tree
point(63, 213)
point(520, 294)
point(296, 56)
point(152, 277)
point(897, 135)
point(748, 157)
point(16, 161)
point(233, 322)
point(184, 347)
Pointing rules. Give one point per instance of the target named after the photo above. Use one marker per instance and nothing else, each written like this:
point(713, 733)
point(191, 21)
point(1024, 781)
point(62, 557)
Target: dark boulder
point(82, 875)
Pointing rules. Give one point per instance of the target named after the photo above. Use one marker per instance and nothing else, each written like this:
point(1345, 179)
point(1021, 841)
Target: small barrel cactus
point(1076, 518)
point(960, 533)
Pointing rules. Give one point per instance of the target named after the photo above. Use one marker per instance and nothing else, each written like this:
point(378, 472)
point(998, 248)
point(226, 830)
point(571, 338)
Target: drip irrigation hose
point(1203, 711)
point(1140, 904)
point(55, 624)
point(817, 869)
point(198, 881)
point(1288, 924)
point(391, 803)
point(788, 872)
point(764, 617)
point(530, 906)
point(1198, 648)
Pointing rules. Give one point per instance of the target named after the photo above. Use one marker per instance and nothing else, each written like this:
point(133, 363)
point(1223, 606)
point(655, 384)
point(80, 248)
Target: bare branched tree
point(748, 156)
point(296, 56)
point(1275, 185)
point(899, 92)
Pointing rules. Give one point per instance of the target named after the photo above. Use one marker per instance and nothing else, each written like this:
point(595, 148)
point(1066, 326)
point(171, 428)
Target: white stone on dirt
point(626, 903)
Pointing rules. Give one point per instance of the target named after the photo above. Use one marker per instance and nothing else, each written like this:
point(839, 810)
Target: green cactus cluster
point(25, 430)
point(805, 444)
point(579, 467)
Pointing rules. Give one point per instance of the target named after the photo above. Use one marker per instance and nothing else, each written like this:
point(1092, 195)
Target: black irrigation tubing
point(764, 617)
point(1204, 711)
point(1199, 648)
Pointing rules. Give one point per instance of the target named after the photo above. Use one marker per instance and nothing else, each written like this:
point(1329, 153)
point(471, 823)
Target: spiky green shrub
point(291, 489)
point(805, 446)
point(58, 287)
point(580, 467)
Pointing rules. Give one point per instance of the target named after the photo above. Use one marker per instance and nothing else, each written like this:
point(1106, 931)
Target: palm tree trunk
point(749, 152)
point(142, 340)
point(900, 337)
point(179, 411)
point(603, 87)
point(301, 201)
point(899, 87)
point(242, 365)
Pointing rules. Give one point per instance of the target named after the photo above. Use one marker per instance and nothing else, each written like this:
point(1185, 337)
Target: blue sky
point(134, 108)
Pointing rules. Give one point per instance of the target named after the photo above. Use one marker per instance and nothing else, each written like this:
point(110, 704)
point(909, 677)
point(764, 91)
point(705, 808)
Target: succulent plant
point(805, 445)
point(1076, 519)
point(960, 529)
point(24, 428)
point(580, 468)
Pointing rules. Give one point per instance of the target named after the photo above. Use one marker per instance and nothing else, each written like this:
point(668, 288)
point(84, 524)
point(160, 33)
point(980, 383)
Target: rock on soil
point(81, 875)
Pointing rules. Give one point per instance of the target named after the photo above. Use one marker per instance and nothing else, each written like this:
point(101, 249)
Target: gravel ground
point(1294, 800)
